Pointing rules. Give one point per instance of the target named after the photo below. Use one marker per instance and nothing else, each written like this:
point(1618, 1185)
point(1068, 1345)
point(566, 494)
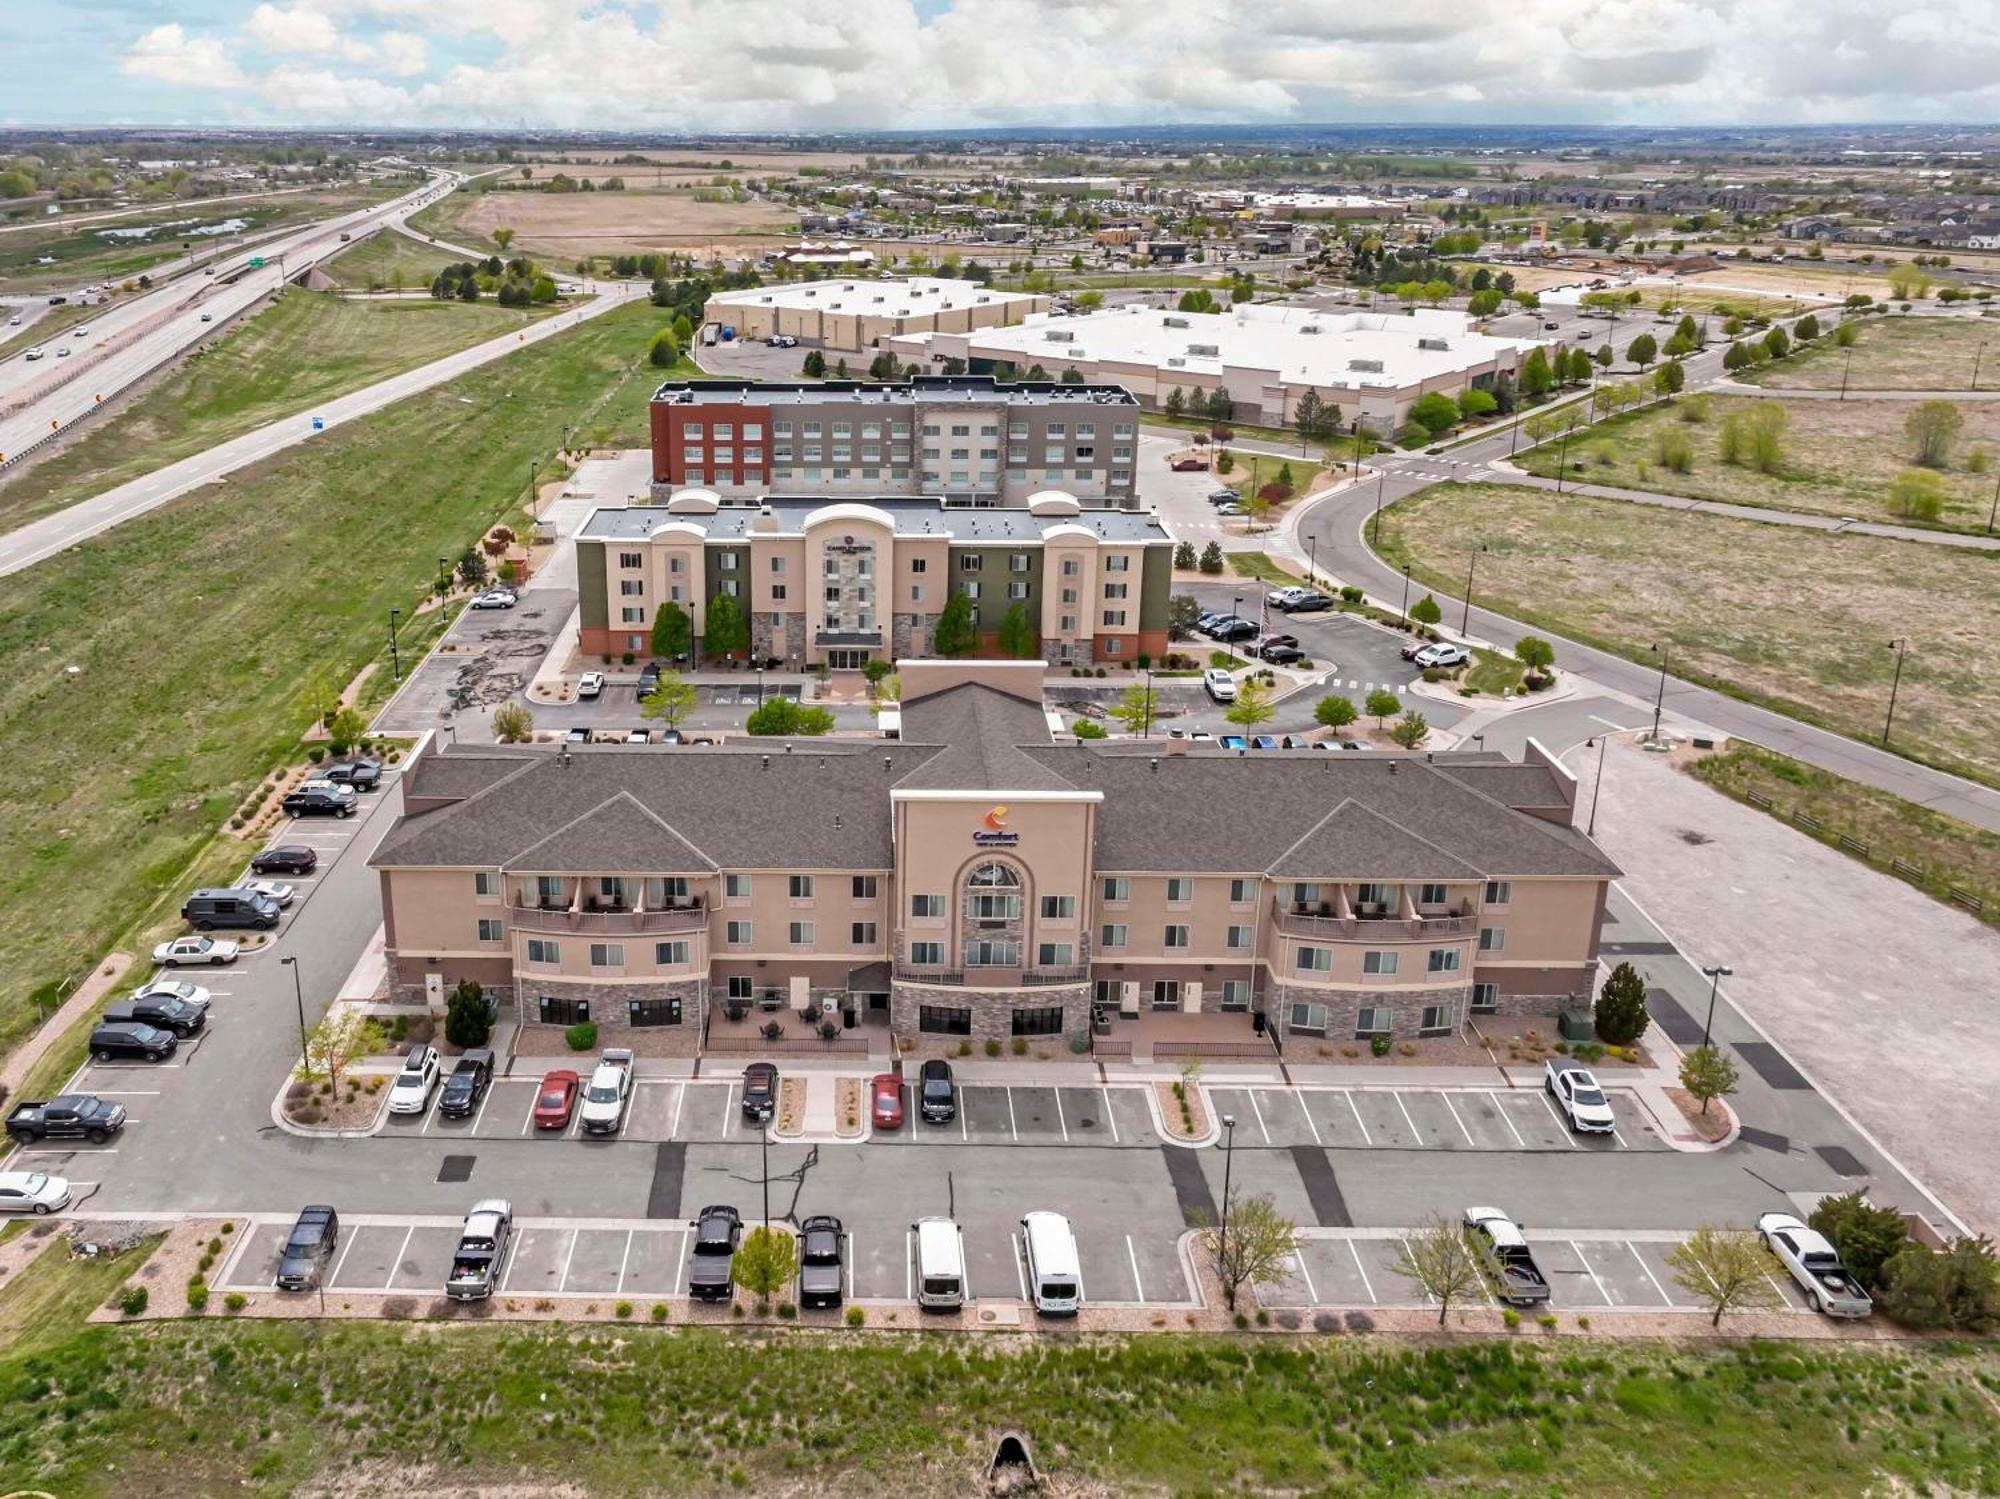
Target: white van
point(940, 1264)
point(1055, 1280)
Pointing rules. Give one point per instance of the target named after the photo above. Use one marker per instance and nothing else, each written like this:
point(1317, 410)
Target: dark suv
point(821, 1272)
point(717, 1232)
point(466, 1085)
point(310, 1249)
point(362, 774)
point(760, 1091)
point(285, 860)
point(937, 1096)
point(131, 1040)
point(165, 1012)
point(320, 801)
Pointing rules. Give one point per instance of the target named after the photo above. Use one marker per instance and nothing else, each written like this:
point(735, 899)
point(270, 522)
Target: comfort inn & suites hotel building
point(982, 877)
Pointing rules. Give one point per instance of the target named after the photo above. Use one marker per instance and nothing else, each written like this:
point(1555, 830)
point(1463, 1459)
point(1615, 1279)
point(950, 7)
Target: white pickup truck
point(607, 1093)
point(1815, 1264)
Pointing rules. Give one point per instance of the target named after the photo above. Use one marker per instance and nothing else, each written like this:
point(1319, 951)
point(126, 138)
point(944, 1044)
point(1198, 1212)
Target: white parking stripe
point(1138, 1286)
point(1609, 1299)
point(339, 1260)
point(568, 1255)
point(1110, 1116)
point(1020, 1275)
point(484, 1099)
point(1366, 1284)
point(909, 1265)
point(1255, 1109)
point(1561, 1123)
point(1016, 1133)
point(1307, 1276)
point(1455, 1119)
point(624, 1259)
point(396, 1265)
point(1309, 1118)
point(1406, 1117)
point(1505, 1120)
point(679, 1098)
point(1059, 1114)
point(1366, 1138)
point(1649, 1272)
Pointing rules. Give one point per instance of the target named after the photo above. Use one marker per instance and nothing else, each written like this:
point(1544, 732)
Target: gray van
point(208, 909)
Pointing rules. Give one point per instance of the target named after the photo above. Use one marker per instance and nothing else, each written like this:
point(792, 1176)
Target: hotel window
point(1069, 595)
point(491, 929)
point(724, 431)
point(916, 593)
point(753, 431)
point(1111, 937)
point(644, 1012)
point(1374, 895)
point(800, 934)
point(1017, 590)
point(1114, 590)
point(1018, 562)
point(1058, 908)
point(1052, 455)
point(1499, 892)
point(677, 565)
point(631, 559)
point(919, 565)
point(960, 455)
point(729, 562)
point(1017, 429)
point(1114, 619)
point(1374, 1020)
point(1381, 964)
point(1492, 938)
point(549, 890)
point(1485, 998)
point(971, 562)
point(741, 986)
point(945, 1020)
point(801, 887)
point(1113, 648)
point(1436, 1020)
point(1166, 994)
point(781, 429)
point(1443, 960)
point(691, 429)
point(736, 933)
point(1180, 891)
point(777, 593)
point(1055, 955)
point(926, 905)
point(486, 883)
point(1117, 890)
point(1174, 937)
point(1120, 477)
point(633, 616)
point(1315, 960)
point(694, 455)
point(607, 955)
point(1043, 1020)
point(961, 431)
point(1056, 429)
point(1236, 994)
point(970, 590)
point(843, 429)
point(550, 1010)
point(542, 950)
point(1237, 939)
point(753, 455)
point(809, 429)
point(1242, 892)
point(927, 954)
point(862, 934)
point(631, 588)
point(991, 953)
point(670, 954)
point(864, 887)
point(1121, 454)
point(1309, 1017)
point(1431, 895)
point(694, 476)
point(1068, 623)
point(736, 887)
point(1122, 429)
point(729, 585)
point(993, 894)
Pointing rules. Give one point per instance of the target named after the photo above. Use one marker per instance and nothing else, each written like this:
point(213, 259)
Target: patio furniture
point(828, 1029)
point(736, 1009)
point(772, 1031)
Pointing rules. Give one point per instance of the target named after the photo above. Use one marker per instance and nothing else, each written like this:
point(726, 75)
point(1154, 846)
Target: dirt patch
point(791, 1105)
point(1430, 1051)
point(1184, 1110)
point(847, 1107)
point(1711, 1126)
point(568, 225)
point(355, 1104)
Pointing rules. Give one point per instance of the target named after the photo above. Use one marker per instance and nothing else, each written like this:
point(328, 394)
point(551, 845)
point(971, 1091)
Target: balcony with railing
point(1324, 923)
point(1033, 977)
point(607, 919)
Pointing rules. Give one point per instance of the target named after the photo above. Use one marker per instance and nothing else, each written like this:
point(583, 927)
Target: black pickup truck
point(72, 1116)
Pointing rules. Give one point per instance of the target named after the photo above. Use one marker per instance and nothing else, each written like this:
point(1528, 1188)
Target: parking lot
point(1515, 1119)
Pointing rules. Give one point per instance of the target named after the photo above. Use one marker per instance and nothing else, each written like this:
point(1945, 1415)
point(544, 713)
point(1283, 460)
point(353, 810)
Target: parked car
point(131, 1041)
point(717, 1232)
point(556, 1098)
point(180, 989)
point(309, 1248)
point(411, 1092)
point(1231, 627)
point(36, 353)
point(205, 910)
point(1409, 648)
point(1442, 655)
point(467, 1084)
point(285, 859)
point(1231, 509)
point(822, 1261)
point(760, 1091)
point(1219, 685)
point(577, 736)
point(277, 892)
point(1233, 742)
point(590, 685)
point(608, 1091)
point(1308, 601)
point(1509, 1261)
point(937, 1094)
point(885, 1100)
point(320, 799)
point(649, 678)
point(495, 598)
point(479, 1260)
point(1582, 1102)
point(1812, 1261)
point(212, 950)
point(41, 1194)
point(68, 1116)
point(1187, 465)
point(1224, 496)
point(1264, 742)
point(166, 1012)
point(783, 341)
point(362, 773)
point(1281, 598)
point(208, 317)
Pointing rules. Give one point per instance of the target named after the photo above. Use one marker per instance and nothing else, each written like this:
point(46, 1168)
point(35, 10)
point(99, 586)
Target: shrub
point(316, 754)
point(622, 1310)
point(1079, 1043)
point(786, 1311)
point(1621, 1007)
point(1510, 1318)
point(1547, 1320)
point(856, 1316)
point(468, 1020)
point(992, 1048)
point(1866, 1236)
point(1019, 1046)
point(582, 1036)
point(628, 658)
point(197, 1295)
point(659, 1312)
point(236, 1301)
point(132, 1300)
point(1381, 1044)
point(1583, 1322)
point(1352, 595)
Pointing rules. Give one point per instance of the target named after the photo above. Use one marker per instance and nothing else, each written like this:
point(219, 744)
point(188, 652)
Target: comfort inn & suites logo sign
point(992, 831)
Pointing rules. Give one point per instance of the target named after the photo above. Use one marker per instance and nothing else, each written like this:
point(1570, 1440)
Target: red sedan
point(556, 1099)
point(886, 1103)
point(1187, 465)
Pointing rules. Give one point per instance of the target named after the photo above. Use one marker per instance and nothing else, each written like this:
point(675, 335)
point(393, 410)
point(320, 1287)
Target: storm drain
point(456, 1168)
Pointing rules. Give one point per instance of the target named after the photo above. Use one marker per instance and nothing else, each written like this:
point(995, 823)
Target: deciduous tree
point(1918, 494)
point(1411, 730)
point(673, 634)
point(726, 632)
point(1252, 705)
point(956, 634)
point(1643, 350)
point(1254, 1248)
point(1707, 1075)
point(1334, 712)
point(1933, 428)
point(1725, 1269)
point(763, 1264)
point(1865, 1236)
point(1436, 1259)
point(672, 699)
point(1383, 705)
point(1017, 633)
point(1138, 708)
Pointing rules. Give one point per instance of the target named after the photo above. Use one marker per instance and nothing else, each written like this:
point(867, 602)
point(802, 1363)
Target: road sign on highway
point(256, 262)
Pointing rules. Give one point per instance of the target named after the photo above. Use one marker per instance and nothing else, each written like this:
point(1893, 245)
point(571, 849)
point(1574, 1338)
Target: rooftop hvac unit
point(1176, 322)
point(1437, 344)
point(1367, 366)
point(1175, 362)
point(1310, 328)
point(1205, 351)
point(881, 299)
point(1059, 336)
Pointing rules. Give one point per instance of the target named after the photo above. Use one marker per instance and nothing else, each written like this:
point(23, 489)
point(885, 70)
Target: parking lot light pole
point(1898, 646)
point(1228, 1159)
point(1381, 483)
point(1465, 623)
point(1660, 699)
point(1596, 786)
point(1236, 611)
point(1146, 723)
point(1312, 563)
point(1406, 593)
point(1715, 977)
point(395, 655)
point(299, 997)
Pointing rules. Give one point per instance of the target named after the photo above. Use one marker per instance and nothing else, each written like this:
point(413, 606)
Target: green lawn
point(1895, 353)
point(124, 770)
point(1799, 621)
point(275, 1408)
point(387, 261)
point(305, 348)
point(442, 218)
point(1840, 457)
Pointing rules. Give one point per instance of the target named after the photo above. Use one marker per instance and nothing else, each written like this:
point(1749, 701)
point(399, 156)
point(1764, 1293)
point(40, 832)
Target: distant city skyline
point(717, 65)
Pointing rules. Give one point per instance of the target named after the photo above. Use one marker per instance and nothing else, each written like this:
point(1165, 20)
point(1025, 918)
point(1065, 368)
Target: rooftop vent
point(1205, 351)
point(1437, 344)
point(1176, 322)
point(1367, 366)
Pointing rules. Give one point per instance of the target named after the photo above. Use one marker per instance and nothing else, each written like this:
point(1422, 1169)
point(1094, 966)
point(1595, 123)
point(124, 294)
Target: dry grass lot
point(1799, 621)
point(1896, 353)
point(567, 225)
point(1778, 280)
point(1840, 457)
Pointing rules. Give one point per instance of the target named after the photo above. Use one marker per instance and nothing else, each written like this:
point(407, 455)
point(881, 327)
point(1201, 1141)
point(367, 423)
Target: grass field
point(1951, 854)
point(1797, 621)
point(1895, 353)
point(1840, 457)
point(276, 1408)
point(302, 349)
point(125, 770)
point(387, 261)
point(561, 227)
point(444, 219)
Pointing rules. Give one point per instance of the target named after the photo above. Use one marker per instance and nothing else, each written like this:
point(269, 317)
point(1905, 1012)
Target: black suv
point(821, 1271)
point(165, 1012)
point(362, 774)
point(309, 1249)
point(285, 860)
point(717, 1232)
point(937, 1096)
point(649, 678)
point(760, 1091)
point(319, 801)
point(131, 1040)
point(466, 1085)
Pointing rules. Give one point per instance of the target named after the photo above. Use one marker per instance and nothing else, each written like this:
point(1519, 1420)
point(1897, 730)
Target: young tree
point(503, 237)
point(1536, 376)
point(840, 368)
point(1918, 494)
point(1864, 1235)
point(1534, 653)
point(1184, 556)
point(1334, 712)
point(1474, 402)
point(1580, 370)
point(1643, 350)
point(1687, 328)
point(1211, 558)
point(1725, 1269)
point(1382, 705)
point(1933, 427)
point(468, 1018)
point(1736, 357)
point(1778, 343)
point(472, 567)
point(1018, 636)
point(665, 349)
point(673, 635)
point(1411, 730)
point(1669, 379)
point(783, 717)
point(1426, 610)
point(1183, 610)
point(1085, 728)
point(1224, 460)
point(1708, 1075)
point(814, 365)
point(1806, 329)
point(348, 729)
point(672, 699)
point(727, 631)
point(340, 1037)
point(1176, 403)
point(513, 724)
point(1436, 1259)
point(763, 1265)
point(1621, 1007)
point(1138, 709)
point(1256, 1250)
point(956, 633)
point(1252, 705)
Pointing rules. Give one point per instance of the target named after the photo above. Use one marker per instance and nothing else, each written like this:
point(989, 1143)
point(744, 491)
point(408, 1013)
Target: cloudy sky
point(757, 64)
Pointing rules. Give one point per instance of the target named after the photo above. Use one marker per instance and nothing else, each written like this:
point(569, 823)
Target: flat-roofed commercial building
point(969, 438)
point(976, 879)
point(852, 316)
point(1371, 365)
point(842, 582)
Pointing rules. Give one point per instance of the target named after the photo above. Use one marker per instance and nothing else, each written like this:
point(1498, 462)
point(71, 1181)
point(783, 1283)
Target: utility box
point(1576, 1025)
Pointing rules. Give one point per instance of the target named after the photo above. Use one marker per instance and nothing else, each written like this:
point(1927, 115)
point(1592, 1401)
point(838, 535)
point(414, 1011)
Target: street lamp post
point(764, 1145)
point(1562, 457)
point(1993, 510)
point(760, 686)
point(1978, 355)
point(1146, 723)
point(1465, 623)
point(1228, 1160)
point(395, 656)
point(1312, 564)
point(1235, 612)
point(1844, 371)
point(444, 578)
point(1381, 483)
point(1898, 646)
point(1715, 977)
point(1660, 698)
point(299, 998)
point(1596, 786)
point(1406, 593)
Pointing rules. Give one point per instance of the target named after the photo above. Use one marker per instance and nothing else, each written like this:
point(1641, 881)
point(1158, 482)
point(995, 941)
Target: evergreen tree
point(957, 632)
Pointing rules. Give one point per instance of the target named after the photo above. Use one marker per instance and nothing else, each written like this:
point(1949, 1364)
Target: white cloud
point(170, 55)
point(300, 31)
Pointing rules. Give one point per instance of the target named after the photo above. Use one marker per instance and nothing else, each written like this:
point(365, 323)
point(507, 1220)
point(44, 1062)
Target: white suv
point(590, 684)
point(1575, 1090)
point(1221, 686)
point(411, 1092)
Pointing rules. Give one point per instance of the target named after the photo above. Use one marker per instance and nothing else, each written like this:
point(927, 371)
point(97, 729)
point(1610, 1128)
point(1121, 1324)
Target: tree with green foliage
point(1865, 1236)
point(1581, 370)
point(1437, 1259)
point(1535, 653)
point(1806, 329)
point(1918, 494)
point(1183, 613)
point(1411, 730)
point(1845, 335)
point(1670, 378)
point(472, 567)
point(1735, 357)
point(1219, 405)
point(1334, 712)
point(1176, 403)
point(1956, 1288)
point(1225, 461)
point(956, 634)
point(1474, 402)
point(1435, 411)
point(784, 717)
point(1184, 556)
point(1018, 636)
point(348, 729)
point(683, 329)
point(1426, 610)
point(1310, 419)
point(840, 369)
point(468, 1018)
point(1252, 706)
point(1211, 558)
point(1483, 303)
point(726, 631)
point(1778, 343)
point(814, 366)
point(764, 1263)
point(339, 1038)
point(1537, 379)
point(1254, 1246)
point(1707, 1075)
point(1643, 350)
point(1725, 1269)
point(1138, 709)
point(672, 699)
point(1687, 328)
point(1933, 428)
point(513, 724)
point(665, 349)
point(1085, 728)
point(1382, 705)
point(1621, 1007)
point(673, 634)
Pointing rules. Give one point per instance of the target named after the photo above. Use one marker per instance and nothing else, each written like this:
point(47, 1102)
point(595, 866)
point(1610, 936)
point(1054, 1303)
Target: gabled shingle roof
point(618, 833)
point(984, 733)
point(1353, 837)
